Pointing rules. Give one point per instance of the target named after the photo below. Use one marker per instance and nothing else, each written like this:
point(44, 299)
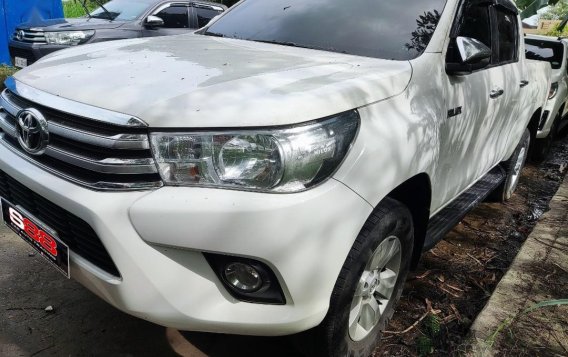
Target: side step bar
point(451, 215)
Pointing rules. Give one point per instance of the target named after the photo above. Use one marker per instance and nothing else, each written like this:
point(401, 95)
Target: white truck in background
point(555, 51)
point(270, 175)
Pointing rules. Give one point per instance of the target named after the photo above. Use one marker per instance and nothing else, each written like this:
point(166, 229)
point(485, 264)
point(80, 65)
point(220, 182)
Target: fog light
point(243, 277)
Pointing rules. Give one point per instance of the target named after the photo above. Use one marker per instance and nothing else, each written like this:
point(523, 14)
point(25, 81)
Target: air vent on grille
point(72, 230)
point(93, 153)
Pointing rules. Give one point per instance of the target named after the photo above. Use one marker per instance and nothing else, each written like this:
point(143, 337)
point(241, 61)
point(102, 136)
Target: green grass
point(75, 9)
point(5, 72)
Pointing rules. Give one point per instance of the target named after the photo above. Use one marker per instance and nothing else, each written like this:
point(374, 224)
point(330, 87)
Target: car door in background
point(201, 14)
point(176, 17)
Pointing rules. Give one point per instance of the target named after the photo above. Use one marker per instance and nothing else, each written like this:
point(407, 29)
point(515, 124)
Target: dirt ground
point(441, 299)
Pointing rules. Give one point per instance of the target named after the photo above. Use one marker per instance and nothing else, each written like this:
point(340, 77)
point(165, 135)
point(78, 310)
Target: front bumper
point(32, 52)
point(156, 239)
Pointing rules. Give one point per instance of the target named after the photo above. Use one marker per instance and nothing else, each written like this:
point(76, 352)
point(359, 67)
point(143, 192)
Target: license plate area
point(42, 238)
point(20, 62)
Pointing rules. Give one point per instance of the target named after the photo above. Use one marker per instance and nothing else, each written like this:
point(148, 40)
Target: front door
point(471, 110)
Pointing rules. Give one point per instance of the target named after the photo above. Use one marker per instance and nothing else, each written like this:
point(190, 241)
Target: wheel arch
point(416, 194)
point(534, 123)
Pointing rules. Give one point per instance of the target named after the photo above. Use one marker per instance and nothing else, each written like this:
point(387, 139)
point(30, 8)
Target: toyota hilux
point(280, 171)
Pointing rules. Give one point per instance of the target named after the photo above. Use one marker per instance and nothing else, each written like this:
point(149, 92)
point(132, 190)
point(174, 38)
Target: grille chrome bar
point(96, 154)
point(6, 126)
point(8, 105)
point(106, 166)
point(118, 141)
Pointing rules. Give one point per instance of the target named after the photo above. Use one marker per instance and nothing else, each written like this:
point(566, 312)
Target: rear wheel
point(513, 168)
point(368, 287)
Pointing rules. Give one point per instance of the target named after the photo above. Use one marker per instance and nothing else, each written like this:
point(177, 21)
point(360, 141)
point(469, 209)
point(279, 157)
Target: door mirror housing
point(154, 21)
point(474, 55)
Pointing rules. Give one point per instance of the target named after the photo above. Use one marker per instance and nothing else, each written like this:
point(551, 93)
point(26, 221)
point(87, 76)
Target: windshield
point(389, 29)
point(122, 10)
point(548, 51)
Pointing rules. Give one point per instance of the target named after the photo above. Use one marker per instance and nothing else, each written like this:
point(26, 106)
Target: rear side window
point(175, 17)
point(508, 36)
point(204, 15)
point(552, 52)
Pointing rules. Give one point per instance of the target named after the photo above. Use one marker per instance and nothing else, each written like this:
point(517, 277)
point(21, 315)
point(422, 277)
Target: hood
point(202, 81)
point(83, 23)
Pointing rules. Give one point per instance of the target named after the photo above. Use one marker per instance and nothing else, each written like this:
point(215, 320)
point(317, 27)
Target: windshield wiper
point(294, 44)
point(109, 14)
point(84, 5)
point(214, 34)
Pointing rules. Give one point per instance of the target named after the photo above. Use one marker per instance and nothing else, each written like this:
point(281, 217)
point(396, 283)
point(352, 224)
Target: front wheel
point(369, 285)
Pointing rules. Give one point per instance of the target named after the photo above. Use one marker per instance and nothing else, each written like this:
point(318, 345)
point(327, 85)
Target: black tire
point(332, 337)
point(541, 147)
point(504, 192)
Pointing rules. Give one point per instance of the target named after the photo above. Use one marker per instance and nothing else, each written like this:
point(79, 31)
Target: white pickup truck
point(555, 51)
point(279, 171)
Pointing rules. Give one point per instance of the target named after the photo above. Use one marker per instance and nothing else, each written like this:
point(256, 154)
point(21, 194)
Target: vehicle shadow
point(198, 344)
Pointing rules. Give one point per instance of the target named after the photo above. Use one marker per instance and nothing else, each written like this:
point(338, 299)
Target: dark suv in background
point(116, 20)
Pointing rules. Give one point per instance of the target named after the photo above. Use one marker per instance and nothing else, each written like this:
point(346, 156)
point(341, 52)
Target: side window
point(475, 22)
point(204, 15)
point(508, 36)
point(175, 17)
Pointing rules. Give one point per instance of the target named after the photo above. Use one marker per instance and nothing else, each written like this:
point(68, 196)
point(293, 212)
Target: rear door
point(201, 14)
point(509, 79)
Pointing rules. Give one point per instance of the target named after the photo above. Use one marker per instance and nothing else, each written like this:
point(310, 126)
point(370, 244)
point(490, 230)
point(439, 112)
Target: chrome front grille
point(87, 145)
point(30, 36)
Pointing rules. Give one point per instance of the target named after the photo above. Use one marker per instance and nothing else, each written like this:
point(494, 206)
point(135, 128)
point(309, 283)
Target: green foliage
point(555, 32)
point(5, 72)
point(73, 8)
point(508, 322)
point(424, 346)
point(558, 12)
point(431, 327)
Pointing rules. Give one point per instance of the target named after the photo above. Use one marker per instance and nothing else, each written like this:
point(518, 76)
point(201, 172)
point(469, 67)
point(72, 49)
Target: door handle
point(524, 83)
point(496, 93)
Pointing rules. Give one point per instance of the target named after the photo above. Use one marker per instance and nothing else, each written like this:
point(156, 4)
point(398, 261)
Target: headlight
point(68, 37)
point(276, 160)
point(553, 90)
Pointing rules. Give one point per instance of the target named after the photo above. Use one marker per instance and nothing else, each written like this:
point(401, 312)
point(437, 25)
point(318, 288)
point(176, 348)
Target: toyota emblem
point(20, 35)
point(31, 128)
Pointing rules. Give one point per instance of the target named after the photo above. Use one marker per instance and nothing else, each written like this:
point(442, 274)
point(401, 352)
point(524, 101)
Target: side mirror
point(153, 21)
point(473, 54)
